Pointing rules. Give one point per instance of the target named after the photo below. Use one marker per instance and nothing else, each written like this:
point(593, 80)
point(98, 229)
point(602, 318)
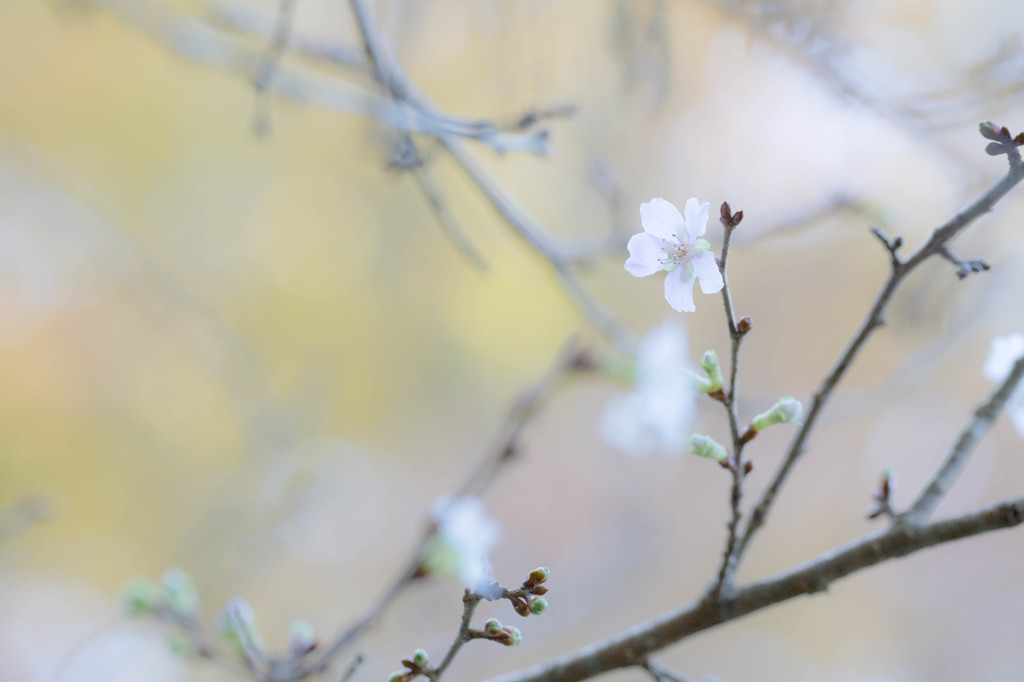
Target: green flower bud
point(397, 676)
point(420, 658)
point(538, 605)
point(180, 592)
point(515, 637)
point(538, 576)
point(492, 627)
point(237, 624)
point(141, 596)
point(786, 410)
point(181, 644)
point(706, 446)
point(709, 363)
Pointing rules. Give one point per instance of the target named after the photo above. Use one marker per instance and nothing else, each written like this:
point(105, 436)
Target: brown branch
point(939, 238)
point(633, 646)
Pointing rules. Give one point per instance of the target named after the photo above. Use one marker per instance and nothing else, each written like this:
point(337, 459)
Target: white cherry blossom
point(658, 413)
point(464, 537)
point(671, 241)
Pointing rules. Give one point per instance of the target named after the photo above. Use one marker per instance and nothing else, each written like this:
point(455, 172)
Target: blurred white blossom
point(658, 413)
point(671, 242)
point(1003, 353)
point(464, 536)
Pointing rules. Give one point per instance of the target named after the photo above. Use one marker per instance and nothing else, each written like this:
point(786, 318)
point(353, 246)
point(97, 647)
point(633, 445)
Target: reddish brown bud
point(725, 213)
point(744, 325)
point(748, 466)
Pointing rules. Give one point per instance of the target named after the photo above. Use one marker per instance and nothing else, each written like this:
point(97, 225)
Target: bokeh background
point(258, 358)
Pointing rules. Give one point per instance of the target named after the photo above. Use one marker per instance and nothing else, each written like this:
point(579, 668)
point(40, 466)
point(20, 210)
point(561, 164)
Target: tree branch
point(632, 647)
point(972, 432)
point(939, 238)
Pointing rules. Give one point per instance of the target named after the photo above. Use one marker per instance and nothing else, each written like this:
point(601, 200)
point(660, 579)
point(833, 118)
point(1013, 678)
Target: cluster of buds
point(1003, 142)
point(415, 666)
point(527, 600)
point(729, 219)
point(175, 598)
point(496, 632)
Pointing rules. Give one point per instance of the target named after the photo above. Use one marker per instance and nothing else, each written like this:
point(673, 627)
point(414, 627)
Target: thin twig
point(528, 227)
point(661, 673)
point(633, 646)
point(730, 557)
point(469, 604)
point(900, 269)
point(972, 432)
point(202, 42)
point(569, 361)
point(456, 235)
point(267, 67)
point(352, 667)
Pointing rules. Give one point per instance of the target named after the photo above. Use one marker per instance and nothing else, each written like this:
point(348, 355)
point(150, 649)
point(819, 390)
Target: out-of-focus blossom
point(672, 242)
point(464, 537)
point(657, 415)
point(1002, 354)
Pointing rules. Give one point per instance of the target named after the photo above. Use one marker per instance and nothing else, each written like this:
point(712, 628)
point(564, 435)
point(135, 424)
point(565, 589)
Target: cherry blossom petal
point(645, 255)
point(696, 217)
point(679, 289)
point(662, 219)
point(706, 269)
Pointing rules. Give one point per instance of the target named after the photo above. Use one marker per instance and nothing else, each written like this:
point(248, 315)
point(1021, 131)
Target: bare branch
point(528, 227)
point(276, 48)
point(633, 646)
point(972, 432)
point(730, 555)
point(900, 269)
point(201, 42)
point(469, 604)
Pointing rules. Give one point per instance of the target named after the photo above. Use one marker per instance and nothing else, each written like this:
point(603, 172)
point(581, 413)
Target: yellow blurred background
point(259, 358)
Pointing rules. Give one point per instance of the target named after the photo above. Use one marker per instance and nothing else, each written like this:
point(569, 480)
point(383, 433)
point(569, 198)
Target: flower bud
point(141, 596)
point(538, 576)
point(492, 627)
point(709, 363)
point(538, 605)
point(181, 644)
point(237, 624)
point(706, 446)
point(993, 131)
point(301, 638)
point(786, 410)
point(397, 676)
point(180, 592)
point(420, 658)
point(515, 637)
